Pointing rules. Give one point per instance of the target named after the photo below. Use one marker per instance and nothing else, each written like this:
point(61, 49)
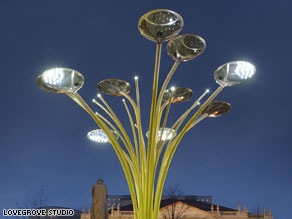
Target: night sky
point(243, 157)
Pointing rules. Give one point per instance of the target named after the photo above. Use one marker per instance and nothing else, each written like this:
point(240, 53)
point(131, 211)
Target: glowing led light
point(234, 73)
point(93, 100)
point(60, 80)
point(166, 135)
point(53, 76)
point(157, 25)
point(99, 136)
point(244, 70)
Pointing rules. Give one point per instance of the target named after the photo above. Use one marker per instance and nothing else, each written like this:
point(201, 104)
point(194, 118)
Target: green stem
point(166, 82)
point(170, 150)
point(148, 206)
point(116, 146)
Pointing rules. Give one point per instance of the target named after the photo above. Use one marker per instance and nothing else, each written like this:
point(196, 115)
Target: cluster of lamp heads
point(179, 94)
point(158, 25)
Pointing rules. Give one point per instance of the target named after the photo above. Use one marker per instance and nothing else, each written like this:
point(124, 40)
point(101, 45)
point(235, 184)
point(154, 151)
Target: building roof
point(198, 204)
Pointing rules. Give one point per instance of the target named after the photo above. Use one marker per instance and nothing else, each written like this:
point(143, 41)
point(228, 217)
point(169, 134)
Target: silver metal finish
point(180, 94)
point(234, 73)
point(113, 87)
point(217, 108)
point(146, 164)
point(186, 47)
point(60, 80)
point(160, 25)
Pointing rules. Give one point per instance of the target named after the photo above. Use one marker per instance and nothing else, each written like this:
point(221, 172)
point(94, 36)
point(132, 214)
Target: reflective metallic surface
point(180, 94)
point(217, 108)
point(60, 80)
point(160, 25)
point(167, 134)
point(99, 136)
point(234, 73)
point(186, 47)
point(113, 87)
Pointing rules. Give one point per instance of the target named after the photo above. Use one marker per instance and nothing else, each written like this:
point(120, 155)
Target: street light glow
point(53, 76)
point(159, 26)
point(244, 70)
point(98, 136)
point(166, 135)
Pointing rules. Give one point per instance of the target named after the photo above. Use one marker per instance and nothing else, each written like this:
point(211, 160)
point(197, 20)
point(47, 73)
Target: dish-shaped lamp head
point(113, 87)
point(166, 135)
point(160, 25)
point(60, 80)
point(234, 73)
point(217, 108)
point(179, 94)
point(99, 136)
point(186, 47)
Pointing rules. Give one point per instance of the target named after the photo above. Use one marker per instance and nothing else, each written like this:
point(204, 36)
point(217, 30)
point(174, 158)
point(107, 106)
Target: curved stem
point(164, 120)
point(148, 207)
point(198, 121)
point(166, 82)
point(112, 126)
point(196, 103)
point(115, 144)
point(170, 150)
point(142, 148)
point(128, 146)
point(139, 127)
point(183, 116)
point(132, 126)
point(119, 124)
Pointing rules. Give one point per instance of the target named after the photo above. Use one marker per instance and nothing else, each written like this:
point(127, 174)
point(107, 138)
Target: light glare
point(167, 134)
point(99, 136)
point(244, 70)
point(53, 76)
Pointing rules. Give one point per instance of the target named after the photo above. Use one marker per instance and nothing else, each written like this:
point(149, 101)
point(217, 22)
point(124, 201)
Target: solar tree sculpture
point(140, 158)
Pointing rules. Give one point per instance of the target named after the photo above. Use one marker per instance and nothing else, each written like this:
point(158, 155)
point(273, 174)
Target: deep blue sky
point(241, 158)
